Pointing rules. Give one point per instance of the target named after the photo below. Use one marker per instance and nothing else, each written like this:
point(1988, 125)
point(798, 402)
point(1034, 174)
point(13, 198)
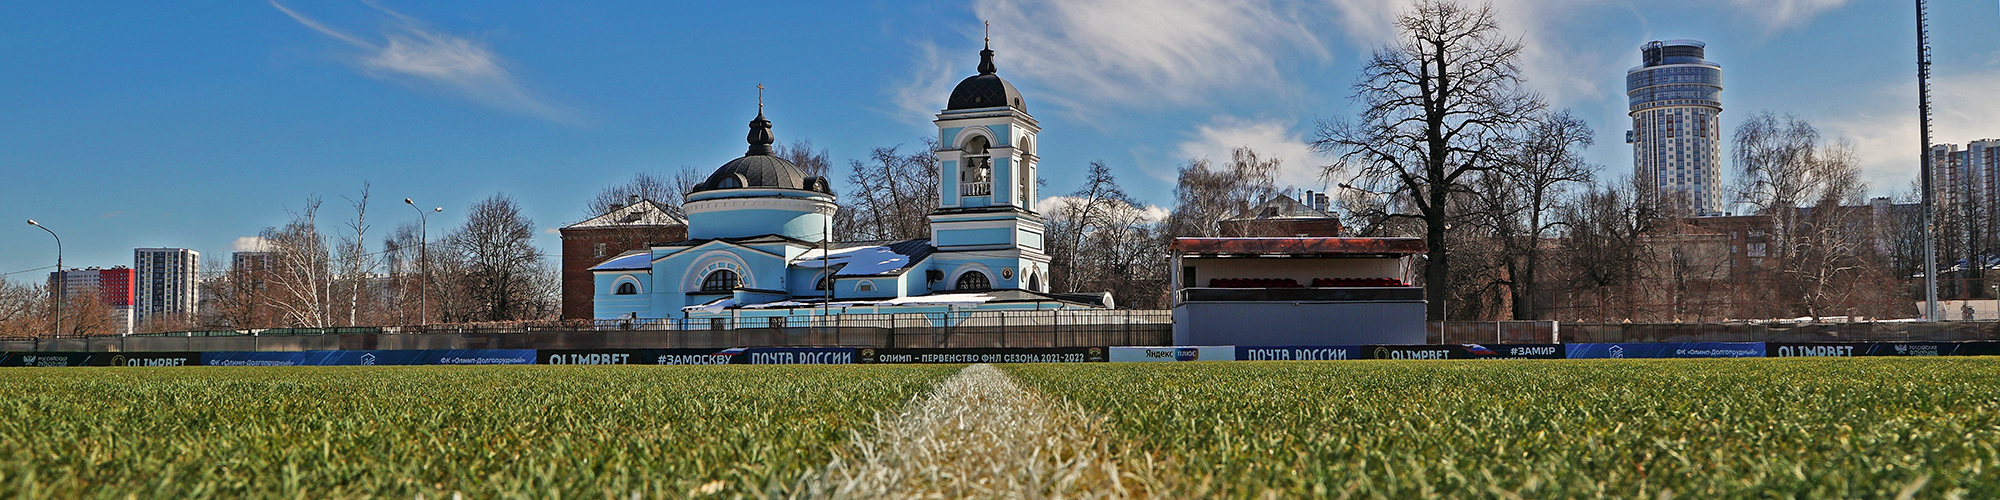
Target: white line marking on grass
point(978, 435)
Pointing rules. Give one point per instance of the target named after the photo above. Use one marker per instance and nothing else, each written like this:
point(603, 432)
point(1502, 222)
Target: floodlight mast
point(1924, 164)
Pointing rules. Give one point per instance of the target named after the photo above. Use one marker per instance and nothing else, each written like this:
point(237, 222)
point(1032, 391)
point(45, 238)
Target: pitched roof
point(636, 259)
point(869, 258)
point(642, 214)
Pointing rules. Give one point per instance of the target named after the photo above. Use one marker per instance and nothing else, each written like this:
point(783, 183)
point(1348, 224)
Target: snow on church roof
point(869, 260)
point(636, 259)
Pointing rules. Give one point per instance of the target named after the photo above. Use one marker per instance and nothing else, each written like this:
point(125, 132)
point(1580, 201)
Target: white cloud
point(250, 244)
point(1146, 52)
point(411, 52)
point(930, 83)
point(1886, 136)
point(1218, 139)
point(1782, 14)
point(1050, 205)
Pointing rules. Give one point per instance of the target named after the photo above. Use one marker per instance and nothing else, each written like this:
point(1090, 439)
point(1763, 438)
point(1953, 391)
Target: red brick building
point(591, 242)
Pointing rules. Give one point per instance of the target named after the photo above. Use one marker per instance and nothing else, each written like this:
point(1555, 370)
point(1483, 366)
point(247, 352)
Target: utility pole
point(424, 258)
point(1924, 163)
point(61, 280)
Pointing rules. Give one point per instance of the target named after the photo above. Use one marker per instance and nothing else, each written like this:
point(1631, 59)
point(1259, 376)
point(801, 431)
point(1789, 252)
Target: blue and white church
point(758, 233)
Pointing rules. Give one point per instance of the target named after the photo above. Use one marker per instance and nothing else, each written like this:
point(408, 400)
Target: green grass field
point(400, 432)
point(1759, 428)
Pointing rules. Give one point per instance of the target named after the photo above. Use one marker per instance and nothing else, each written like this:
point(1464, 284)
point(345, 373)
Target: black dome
point(985, 90)
point(759, 168)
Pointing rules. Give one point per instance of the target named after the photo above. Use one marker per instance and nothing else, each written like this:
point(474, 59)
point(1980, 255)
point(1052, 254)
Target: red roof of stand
point(1300, 246)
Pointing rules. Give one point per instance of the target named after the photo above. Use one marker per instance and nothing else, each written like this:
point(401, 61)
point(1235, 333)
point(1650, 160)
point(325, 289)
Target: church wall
point(608, 305)
point(741, 223)
point(971, 237)
point(1003, 180)
point(1029, 239)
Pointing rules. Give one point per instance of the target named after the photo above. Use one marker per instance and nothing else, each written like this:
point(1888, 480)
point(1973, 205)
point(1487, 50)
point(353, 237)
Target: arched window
point(821, 284)
point(973, 280)
point(1035, 283)
point(977, 173)
point(627, 288)
point(721, 280)
point(1025, 170)
point(730, 182)
point(865, 286)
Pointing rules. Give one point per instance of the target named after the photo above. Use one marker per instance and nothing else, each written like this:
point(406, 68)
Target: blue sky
point(196, 123)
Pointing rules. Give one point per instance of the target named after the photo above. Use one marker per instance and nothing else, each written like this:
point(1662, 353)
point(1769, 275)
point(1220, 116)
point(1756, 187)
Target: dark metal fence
point(1541, 332)
point(969, 329)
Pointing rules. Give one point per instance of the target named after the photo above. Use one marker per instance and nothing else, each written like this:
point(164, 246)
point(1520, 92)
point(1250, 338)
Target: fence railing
point(958, 329)
point(1543, 332)
point(975, 189)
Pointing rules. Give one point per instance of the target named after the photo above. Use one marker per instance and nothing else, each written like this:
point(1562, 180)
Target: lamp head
point(406, 201)
point(438, 209)
point(32, 222)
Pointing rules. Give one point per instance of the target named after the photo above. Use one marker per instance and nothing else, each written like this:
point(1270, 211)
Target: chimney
point(632, 200)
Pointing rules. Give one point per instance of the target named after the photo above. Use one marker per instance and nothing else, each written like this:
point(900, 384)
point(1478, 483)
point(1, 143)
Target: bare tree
point(1204, 196)
point(1822, 251)
point(1102, 240)
point(893, 195)
point(800, 153)
point(1599, 260)
point(1440, 104)
point(1518, 201)
point(1075, 217)
point(668, 191)
point(504, 276)
point(356, 264)
point(300, 287)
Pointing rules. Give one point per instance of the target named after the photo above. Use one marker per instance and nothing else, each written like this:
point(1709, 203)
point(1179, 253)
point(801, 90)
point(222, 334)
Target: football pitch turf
point(1807, 428)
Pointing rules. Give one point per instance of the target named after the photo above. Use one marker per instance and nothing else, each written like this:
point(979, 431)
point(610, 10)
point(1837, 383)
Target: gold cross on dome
point(760, 98)
point(989, 33)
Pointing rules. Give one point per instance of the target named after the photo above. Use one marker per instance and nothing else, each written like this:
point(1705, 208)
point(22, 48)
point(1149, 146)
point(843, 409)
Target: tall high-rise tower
point(166, 281)
point(1676, 137)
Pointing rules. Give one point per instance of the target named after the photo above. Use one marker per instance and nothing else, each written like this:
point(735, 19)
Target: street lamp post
point(59, 295)
point(424, 256)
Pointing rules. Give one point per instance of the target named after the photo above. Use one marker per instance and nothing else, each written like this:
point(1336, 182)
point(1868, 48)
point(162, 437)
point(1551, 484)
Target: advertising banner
point(1190, 353)
point(371, 358)
point(1981, 348)
point(146, 359)
point(1666, 350)
point(1849, 349)
point(46, 359)
point(1465, 351)
point(636, 356)
point(792, 356)
point(1297, 353)
point(984, 355)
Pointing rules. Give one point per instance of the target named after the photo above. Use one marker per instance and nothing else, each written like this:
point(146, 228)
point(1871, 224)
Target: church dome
point(760, 167)
point(985, 90)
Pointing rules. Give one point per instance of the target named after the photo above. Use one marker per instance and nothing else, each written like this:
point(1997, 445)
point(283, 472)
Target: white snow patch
point(944, 299)
point(713, 307)
point(642, 260)
point(859, 261)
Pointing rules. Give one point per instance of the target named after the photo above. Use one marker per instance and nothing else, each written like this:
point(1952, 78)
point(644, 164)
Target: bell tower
point(986, 221)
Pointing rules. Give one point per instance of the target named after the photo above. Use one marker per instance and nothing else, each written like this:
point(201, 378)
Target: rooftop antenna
point(1924, 163)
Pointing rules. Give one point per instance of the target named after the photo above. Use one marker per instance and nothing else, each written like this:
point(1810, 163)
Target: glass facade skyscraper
point(1676, 136)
